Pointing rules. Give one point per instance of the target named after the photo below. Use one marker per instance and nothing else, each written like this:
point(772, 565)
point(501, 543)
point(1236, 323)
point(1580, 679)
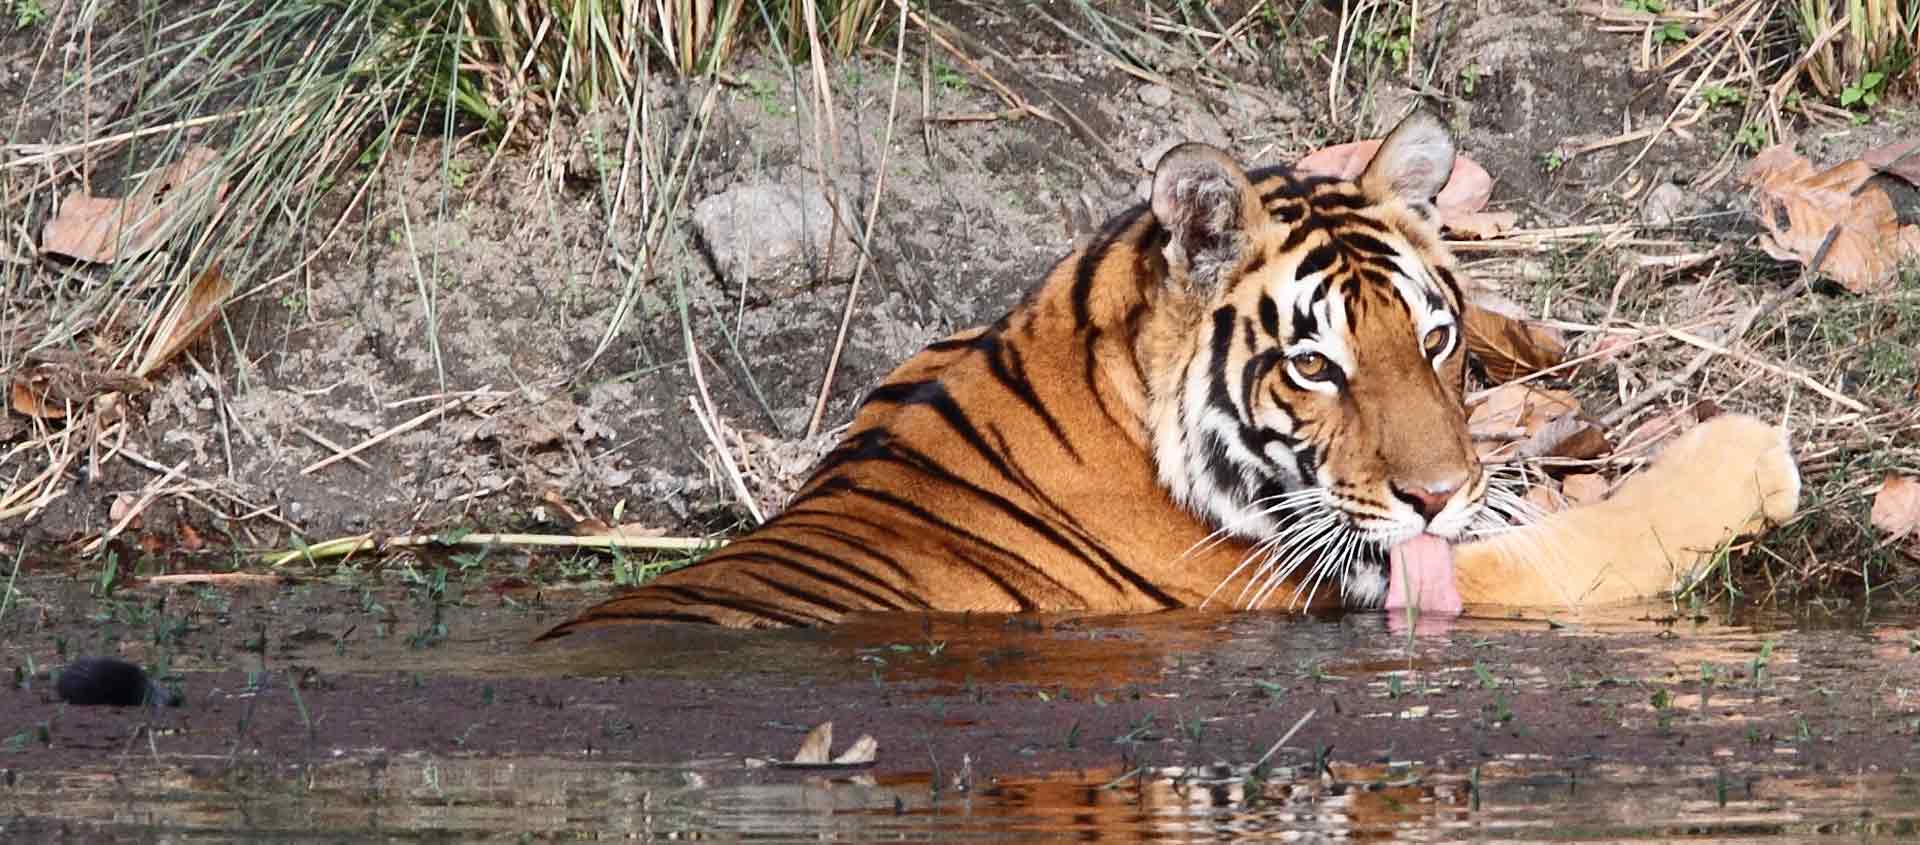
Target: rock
point(1665, 204)
point(1157, 96)
point(765, 231)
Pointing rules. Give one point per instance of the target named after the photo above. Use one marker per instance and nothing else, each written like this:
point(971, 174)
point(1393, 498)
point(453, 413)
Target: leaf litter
point(102, 230)
point(815, 750)
point(1832, 221)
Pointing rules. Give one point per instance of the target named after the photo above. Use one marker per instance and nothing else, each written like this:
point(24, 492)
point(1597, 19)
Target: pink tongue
point(1420, 574)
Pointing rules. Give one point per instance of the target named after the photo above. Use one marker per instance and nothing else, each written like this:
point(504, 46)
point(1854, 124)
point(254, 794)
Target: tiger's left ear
point(1207, 205)
point(1414, 162)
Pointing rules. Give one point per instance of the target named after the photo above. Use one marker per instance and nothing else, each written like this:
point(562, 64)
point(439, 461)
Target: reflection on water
point(435, 797)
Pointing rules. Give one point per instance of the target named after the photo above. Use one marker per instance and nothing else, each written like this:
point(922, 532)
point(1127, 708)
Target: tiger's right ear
point(1204, 200)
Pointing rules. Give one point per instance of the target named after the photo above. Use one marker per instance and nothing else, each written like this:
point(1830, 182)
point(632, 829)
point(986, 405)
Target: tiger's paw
point(1729, 476)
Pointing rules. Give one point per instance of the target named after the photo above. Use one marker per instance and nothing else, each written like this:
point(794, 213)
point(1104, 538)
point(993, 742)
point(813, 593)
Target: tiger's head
point(1307, 389)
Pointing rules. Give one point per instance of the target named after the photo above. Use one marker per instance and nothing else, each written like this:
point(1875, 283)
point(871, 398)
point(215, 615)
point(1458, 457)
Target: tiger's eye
point(1436, 340)
point(1312, 366)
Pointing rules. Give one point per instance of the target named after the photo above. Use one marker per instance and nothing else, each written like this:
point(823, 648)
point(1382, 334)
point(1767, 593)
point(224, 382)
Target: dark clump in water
point(112, 682)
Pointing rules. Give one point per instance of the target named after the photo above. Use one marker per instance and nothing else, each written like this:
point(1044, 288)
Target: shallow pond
point(416, 709)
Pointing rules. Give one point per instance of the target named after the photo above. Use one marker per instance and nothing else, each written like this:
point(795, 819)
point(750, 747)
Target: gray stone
point(1665, 204)
point(767, 231)
point(1157, 96)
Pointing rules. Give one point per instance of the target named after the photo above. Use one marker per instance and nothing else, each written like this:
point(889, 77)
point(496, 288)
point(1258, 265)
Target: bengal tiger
point(1246, 392)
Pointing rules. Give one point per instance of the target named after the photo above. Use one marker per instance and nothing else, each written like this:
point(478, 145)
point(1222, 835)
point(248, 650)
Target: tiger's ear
point(1414, 162)
point(1207, 205)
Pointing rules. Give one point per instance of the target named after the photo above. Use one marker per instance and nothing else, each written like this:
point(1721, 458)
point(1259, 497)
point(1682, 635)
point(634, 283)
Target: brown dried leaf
point(1567, 436)
point(1546, 497)
point(1584, 488)
point(862, 752)
point(31, 397)
point(1900, 159)
point(1657, 429)
point(813, 749)
point(1509, 348)
point(1466, 191)
point(1896, 507)
point(1801, 208)
point(191, 315)
point(100, 230)
point(1519, 413)
point(1481, 225)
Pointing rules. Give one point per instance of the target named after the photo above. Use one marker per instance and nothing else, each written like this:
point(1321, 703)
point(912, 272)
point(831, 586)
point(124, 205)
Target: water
point(1629, 724)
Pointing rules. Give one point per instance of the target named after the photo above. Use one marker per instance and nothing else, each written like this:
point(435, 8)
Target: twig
point(382, 437)
point(1693, 368)
point(336, 448)
point(1284, 738)
point(153, 491)
point(873, 213)
point(1709, 346)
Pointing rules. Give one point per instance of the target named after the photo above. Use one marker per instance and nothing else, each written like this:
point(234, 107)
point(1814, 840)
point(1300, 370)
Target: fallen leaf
point(57, 378)
point(1896, 507)
point(1900, 159)
point(1509, 348)
point(1546, 497)
point(190, 539)
point(100, 230)
point(1568, 437)
point(31, 397)
point(813, 749)
point(192, 313)
point(1480, 225)
point(862, 752)
point(1465, 193)
point(1514, 420)
point(1663, 426)
point(1802, 210)
point(122, 505)
point(1584, 488)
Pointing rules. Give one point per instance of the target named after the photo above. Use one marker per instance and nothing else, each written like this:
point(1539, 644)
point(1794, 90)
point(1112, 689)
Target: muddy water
point(408, 705)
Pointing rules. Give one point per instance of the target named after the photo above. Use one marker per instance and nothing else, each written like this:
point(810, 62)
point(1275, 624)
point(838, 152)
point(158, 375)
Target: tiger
point(1248, 391)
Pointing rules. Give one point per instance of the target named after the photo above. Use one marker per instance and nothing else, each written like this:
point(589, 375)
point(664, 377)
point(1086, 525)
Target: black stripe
point(1269, 315)
point(926, 516)
point(1004, 361)
point(824, 578)
point(1332, 201)
point(751, 607)
point(790, 591)
point(1316, 260)
point(1365, 243)
point(1222, 342)
point(1090, 260)
point(639, 616)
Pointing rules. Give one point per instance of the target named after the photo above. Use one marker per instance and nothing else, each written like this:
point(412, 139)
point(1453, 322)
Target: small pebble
point(1156, 95)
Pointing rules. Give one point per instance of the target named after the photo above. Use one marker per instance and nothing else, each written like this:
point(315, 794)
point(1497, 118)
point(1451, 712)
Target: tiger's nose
point(1427, 500)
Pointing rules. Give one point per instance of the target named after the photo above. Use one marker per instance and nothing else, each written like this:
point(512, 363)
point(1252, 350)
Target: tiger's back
point(967, 483)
